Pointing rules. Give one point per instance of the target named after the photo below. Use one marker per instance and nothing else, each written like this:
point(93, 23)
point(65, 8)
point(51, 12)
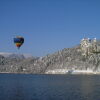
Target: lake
point(49, 87)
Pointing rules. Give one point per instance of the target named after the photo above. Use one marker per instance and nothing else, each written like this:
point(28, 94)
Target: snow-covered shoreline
point(66, 71)
point(55, 72)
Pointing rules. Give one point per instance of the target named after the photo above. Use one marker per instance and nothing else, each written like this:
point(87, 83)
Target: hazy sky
point(47, 25)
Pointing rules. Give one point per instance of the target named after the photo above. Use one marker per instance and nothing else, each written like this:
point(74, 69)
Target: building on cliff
point(89, 46)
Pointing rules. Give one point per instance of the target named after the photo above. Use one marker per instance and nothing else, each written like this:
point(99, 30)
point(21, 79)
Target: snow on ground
point(66, 71)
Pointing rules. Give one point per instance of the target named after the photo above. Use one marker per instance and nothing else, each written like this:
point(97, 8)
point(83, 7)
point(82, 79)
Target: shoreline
point(66, 71)
point(79, 73)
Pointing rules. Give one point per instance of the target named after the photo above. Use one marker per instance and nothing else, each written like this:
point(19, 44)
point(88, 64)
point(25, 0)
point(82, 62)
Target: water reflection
point(49, 87)
point(89, 87)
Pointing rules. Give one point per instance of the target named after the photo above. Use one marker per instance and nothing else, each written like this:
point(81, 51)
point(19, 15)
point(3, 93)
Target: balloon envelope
point(18, 41)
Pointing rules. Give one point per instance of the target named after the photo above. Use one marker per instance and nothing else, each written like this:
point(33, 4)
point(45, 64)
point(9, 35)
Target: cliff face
point(68, 59)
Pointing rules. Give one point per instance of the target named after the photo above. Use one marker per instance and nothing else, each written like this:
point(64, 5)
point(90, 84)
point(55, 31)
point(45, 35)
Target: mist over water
point(49, 87)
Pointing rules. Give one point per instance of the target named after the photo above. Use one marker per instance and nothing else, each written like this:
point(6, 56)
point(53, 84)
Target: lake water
point(49, 87)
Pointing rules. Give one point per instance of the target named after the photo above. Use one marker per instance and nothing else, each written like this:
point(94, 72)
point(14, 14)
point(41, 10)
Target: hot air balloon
point(18, 41)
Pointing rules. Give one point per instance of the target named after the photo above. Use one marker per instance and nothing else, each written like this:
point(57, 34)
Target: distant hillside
point(66, 59)
point(14, 55)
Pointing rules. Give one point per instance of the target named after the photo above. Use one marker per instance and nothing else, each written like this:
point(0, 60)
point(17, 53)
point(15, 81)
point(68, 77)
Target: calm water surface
point(49, 87)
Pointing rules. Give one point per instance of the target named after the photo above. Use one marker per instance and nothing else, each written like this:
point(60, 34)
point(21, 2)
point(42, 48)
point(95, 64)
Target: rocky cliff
point(66, 59)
